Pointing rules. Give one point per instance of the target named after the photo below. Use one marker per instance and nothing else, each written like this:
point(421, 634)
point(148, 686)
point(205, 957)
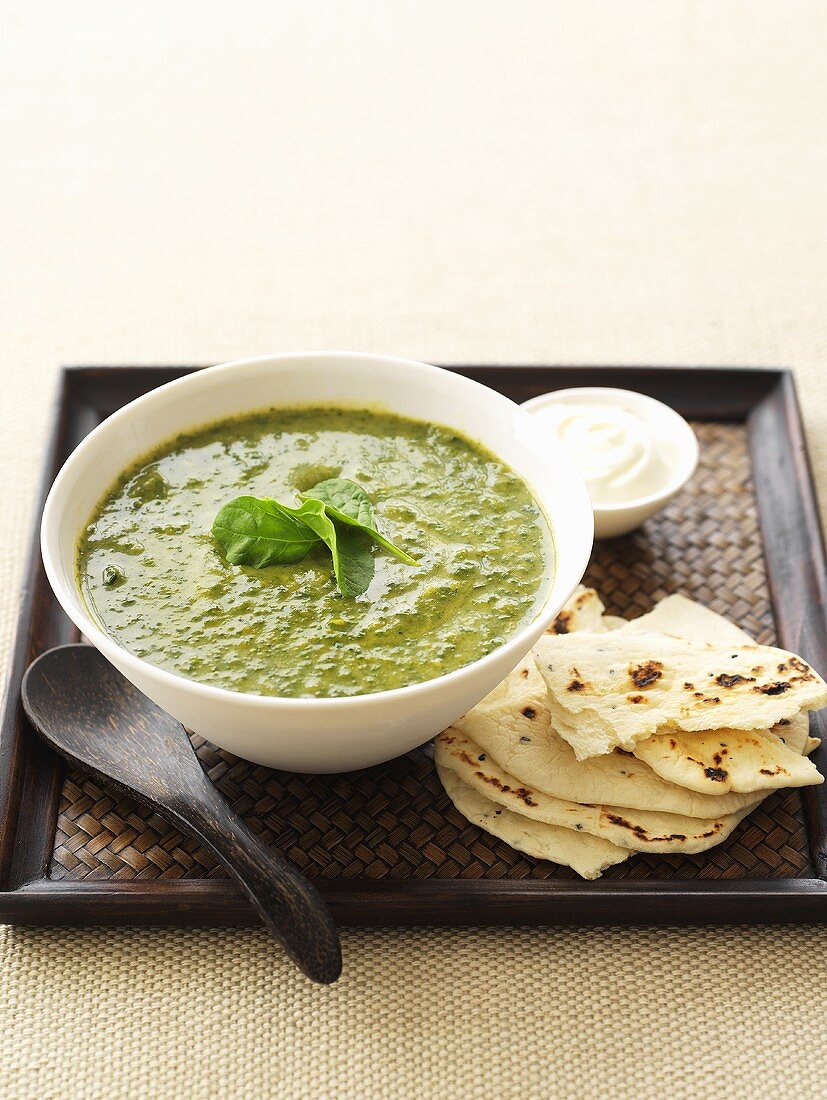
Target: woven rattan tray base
point(390, 832)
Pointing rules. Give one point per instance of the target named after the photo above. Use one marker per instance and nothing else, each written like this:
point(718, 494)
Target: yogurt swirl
point(614, 449)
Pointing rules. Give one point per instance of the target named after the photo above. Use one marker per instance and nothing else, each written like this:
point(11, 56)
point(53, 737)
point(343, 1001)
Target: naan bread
point(609, 690)
point(730, 760)
point(507, 747)
point(795, 733)
point(583, 611)
point(727, 760)
point(684, 618)
point(513, 724)
point(639, 830)
point(588, 855)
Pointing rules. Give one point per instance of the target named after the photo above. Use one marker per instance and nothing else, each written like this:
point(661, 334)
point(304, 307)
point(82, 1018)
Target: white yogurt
point(614, 448)
point(633, 452)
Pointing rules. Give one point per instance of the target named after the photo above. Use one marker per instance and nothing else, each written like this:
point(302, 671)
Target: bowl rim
point(688, 446)
point(71, 599)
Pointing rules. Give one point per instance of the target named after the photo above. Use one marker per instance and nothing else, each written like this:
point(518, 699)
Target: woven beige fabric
point(450, 180)
point(426, 1015)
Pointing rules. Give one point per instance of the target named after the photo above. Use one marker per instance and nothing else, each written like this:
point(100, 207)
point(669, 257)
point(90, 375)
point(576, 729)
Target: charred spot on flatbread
point(728, 680)
point(795, 664)
point(717, 775)
point(523, 793)
point(643, 835)
point(562, 623)
point(776, 688)
point(646, 673)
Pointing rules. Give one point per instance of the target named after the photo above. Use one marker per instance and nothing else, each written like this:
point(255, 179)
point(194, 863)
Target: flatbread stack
point(613, 737)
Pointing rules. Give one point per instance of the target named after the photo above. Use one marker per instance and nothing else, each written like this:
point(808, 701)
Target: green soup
point(482, 543)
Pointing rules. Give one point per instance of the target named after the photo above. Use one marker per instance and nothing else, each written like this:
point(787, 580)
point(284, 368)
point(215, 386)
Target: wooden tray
point(384, 845)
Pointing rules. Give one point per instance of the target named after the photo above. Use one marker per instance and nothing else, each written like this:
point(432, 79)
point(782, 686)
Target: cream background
point(639, 182)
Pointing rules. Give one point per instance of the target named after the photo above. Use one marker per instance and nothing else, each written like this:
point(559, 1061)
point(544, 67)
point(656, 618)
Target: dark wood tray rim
point(31, 776)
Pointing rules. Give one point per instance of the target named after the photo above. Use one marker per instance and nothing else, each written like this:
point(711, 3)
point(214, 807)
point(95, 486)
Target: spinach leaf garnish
point(348, 499)
point(259, 532)
point(353, 564)
point(348, 503)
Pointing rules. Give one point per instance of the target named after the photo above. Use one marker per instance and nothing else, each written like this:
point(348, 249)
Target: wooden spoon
point(94, 717)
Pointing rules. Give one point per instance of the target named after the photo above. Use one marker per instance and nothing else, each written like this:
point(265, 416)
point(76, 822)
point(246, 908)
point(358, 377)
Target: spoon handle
point(289, 905)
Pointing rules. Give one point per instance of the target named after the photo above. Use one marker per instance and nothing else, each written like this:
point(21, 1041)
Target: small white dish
point(673, 442)
point(319, 734)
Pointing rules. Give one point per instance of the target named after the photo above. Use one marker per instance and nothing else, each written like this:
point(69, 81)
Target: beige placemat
point(475, 180)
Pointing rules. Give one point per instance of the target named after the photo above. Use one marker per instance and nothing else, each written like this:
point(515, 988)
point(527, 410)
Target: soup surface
point(482, 543)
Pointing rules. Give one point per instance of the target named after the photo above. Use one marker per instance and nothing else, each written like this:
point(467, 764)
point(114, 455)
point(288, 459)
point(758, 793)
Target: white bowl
point(668, 429)
point(318, 735)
